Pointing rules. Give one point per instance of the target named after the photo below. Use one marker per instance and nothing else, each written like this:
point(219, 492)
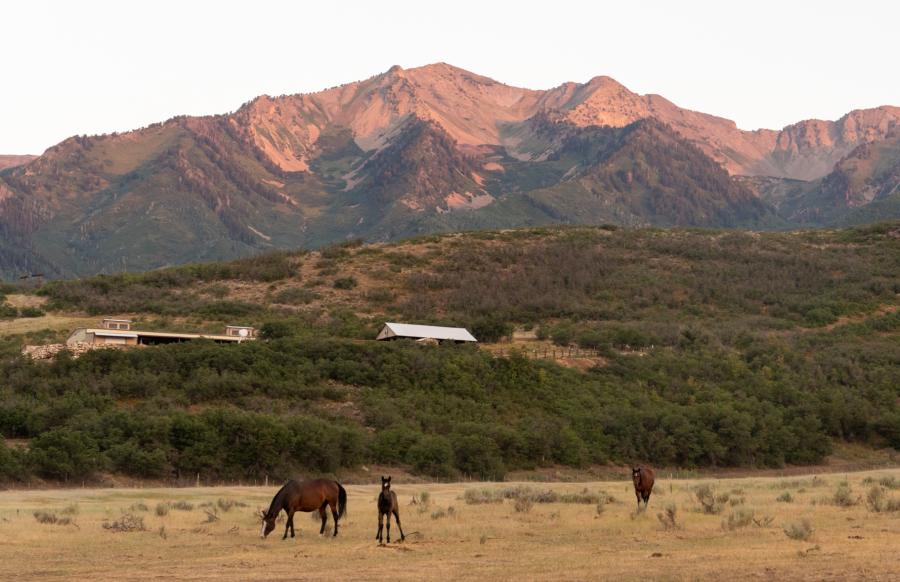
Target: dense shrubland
point(721, 348)
point(264, 408)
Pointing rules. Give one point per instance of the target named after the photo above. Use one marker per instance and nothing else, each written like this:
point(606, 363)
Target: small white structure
point(240, 331)
point(424, 333)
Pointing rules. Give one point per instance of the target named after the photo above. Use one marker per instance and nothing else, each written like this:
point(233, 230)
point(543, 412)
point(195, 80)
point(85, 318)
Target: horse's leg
point(380, 526)
point(646, 498)
point(292, 525)
point(287, 525)
point(400, 527)
point(388, 528)
point(334, 514)
point(638, 495)
point(324, 517)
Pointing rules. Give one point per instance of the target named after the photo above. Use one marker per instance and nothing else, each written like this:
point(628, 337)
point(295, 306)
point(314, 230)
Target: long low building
point(424, 333)
point(118, 332)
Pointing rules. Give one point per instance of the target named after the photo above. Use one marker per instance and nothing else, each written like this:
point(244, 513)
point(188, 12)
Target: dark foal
point(388, 504)
point(643, 478)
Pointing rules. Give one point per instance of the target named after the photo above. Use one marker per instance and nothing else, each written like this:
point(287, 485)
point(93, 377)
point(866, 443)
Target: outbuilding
point(424, 333)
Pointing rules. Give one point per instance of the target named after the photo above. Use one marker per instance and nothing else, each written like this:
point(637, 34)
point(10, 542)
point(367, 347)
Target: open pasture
point(844, 527)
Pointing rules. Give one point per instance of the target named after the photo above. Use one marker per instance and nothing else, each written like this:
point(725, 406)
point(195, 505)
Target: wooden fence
point(547, 353)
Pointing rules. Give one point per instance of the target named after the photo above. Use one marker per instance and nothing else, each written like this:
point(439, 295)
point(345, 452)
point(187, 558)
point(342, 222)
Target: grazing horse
point(388, 504)
point(306, 496)
point(643, 478)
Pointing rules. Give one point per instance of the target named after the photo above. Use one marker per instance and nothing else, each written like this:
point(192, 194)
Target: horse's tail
point(342, 501)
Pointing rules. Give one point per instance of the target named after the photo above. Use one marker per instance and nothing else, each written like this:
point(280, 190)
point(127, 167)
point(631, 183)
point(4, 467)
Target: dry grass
point(453, 540)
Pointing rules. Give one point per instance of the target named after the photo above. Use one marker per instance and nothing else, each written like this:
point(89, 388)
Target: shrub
point(46, 517)
point(271, 330)
point(819, 316)
point(392, 445)
point(182, 505)
point(738, 518)
point(490, 329)
point(432, 456)
point(441, 513)
point(345, 283)
point(295, 296)
point(482, 496)
point(162, 509)
point(523, 505)
point(668, 517)
point(479, 456)
point(785, 497)
point(710, 503)
point(63, 453)
point(227, 504)
point(31, 312)
point(878, 501)
point(798, 530)
point(128, 522)
point(843, 496)
point(887, 481)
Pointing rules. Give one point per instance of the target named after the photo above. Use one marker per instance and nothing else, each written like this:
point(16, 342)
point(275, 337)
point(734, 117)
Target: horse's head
point(268, 524)
point(385, 483)
point(636, 475)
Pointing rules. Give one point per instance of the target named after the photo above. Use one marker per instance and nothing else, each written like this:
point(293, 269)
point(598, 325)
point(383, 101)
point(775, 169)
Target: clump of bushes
point(785, 497)
point(482, 496)
point(710, 502)
point(227, 504)
point(345, 283)
point(738, 518)
point(843, 496)
point(531, 495)
point(668, 517)
point(128, 522)
point(295, 296)
point(49, 518)
point(878, 501)
point(441, 513)
point(887, 481)
point(798, 530)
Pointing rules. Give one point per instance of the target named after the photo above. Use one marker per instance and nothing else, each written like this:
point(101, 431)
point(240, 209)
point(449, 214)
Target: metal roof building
point(424, 333)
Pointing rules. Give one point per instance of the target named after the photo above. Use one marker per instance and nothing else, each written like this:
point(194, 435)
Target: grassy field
point(520, 537)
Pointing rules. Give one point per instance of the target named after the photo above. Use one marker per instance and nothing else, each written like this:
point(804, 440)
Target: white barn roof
point(392, 330)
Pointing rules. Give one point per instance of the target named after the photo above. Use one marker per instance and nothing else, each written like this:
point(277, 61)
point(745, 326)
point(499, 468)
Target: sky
point(89, 67)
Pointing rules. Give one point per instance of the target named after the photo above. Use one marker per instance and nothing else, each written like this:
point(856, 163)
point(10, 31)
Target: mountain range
point(430, 149)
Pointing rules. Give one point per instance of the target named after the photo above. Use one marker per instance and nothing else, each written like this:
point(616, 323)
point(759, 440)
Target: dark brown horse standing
point(643, 478)
point(306, 496)
point(388, 504)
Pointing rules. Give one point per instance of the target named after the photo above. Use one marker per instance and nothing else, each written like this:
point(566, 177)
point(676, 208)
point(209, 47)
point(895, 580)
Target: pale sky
point(88, 66)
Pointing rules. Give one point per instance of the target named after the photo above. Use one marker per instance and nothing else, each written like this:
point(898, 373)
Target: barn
point(424, 333)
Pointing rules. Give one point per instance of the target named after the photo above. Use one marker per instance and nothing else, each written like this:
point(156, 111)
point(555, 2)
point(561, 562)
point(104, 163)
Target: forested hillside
point(716, 348)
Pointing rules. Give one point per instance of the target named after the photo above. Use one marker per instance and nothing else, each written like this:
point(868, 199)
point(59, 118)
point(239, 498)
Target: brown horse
point(643, 478)
point(306, 496)
point(388, 504)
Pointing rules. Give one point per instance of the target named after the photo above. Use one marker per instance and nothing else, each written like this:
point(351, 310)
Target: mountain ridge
point(411, 151)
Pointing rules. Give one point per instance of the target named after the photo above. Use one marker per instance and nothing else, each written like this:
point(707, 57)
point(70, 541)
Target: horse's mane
point(278, 501)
